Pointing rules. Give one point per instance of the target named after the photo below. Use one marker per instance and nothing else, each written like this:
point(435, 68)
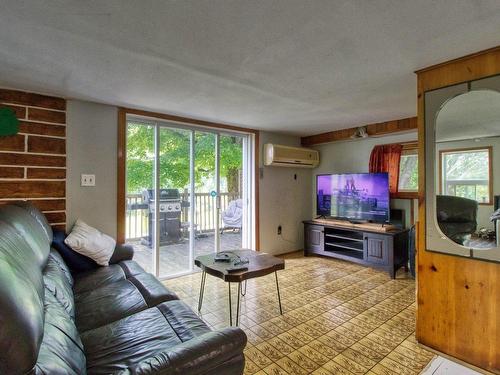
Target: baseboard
point(459, 361)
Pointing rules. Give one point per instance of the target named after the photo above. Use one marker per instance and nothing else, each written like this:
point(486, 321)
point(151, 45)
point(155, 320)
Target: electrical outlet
point(88, 180)
point(279, 230)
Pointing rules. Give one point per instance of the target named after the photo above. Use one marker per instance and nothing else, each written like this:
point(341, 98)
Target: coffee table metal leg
point(278, 289)
point(243, 293)
point(230, 305)
point(202, 290)
point(238, 305)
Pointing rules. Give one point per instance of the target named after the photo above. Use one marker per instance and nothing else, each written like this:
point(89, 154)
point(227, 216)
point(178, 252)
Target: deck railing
point(137, 218)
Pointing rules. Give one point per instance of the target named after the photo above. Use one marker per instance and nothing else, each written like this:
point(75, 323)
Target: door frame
point(190, 122)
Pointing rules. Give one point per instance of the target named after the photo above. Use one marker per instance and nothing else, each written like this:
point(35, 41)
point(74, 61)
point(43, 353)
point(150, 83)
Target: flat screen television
point(357, 197)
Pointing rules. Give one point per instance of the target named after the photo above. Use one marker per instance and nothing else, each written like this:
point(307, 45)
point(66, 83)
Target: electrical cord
point(284, 239)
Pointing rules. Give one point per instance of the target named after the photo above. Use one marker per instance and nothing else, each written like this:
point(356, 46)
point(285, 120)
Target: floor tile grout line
point(350, 308)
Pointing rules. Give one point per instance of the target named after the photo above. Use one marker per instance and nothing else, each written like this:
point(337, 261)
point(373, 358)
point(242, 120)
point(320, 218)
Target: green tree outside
point(174, 159)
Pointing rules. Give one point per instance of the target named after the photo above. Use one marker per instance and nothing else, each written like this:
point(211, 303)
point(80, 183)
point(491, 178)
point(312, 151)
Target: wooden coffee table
point(259, 264)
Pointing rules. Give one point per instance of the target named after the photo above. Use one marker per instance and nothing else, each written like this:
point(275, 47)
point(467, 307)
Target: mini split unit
point(286, 156)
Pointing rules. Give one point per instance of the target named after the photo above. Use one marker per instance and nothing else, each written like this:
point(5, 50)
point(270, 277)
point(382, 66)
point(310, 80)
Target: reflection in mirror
point(467, 153)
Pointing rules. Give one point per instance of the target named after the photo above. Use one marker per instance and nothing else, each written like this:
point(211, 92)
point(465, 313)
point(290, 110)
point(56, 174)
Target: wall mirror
point(467, 173)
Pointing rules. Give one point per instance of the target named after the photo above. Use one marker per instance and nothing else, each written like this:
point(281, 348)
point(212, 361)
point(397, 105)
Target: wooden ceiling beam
point(373, 130)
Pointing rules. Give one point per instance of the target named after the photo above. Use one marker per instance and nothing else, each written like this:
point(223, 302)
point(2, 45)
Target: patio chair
point(231, 217)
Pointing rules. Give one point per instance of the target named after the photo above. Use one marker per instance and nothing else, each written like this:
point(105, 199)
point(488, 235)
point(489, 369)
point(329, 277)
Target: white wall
point(92, 149)
point(284, 201)
point(353, 156)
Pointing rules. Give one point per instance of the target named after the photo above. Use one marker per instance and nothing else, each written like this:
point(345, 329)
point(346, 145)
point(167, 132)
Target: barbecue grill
point(170, 207)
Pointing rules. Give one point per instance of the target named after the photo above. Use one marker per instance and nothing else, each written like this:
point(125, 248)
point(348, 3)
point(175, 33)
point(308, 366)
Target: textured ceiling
point(294, 66)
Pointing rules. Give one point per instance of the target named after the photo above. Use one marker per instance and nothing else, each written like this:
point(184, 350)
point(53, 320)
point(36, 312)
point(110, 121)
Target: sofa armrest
point(122, 252)
point(199, 355)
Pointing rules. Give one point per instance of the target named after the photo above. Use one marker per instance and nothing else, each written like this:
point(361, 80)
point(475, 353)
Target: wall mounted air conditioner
point(286, 156)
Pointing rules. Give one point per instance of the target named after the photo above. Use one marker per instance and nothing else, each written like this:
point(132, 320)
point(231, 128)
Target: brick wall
point(33, 162)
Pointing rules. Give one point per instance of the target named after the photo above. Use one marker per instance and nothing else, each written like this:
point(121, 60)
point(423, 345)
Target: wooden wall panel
point(46, 173)
point(43, 129)
point(46, 145)
point(31, 99)
point(11, 172)
point(33, 162)
point(12, 143)
point(37, 114)
point(26, 159)
point(373, 130)
point(458, 298)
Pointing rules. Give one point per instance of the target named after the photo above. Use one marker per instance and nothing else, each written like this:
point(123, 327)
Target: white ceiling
point(295, 66)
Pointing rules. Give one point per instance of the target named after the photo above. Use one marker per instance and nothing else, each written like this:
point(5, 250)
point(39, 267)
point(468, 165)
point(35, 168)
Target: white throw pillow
point(90, 242)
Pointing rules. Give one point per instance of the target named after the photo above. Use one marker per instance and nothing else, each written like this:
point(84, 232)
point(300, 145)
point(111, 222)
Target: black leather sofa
point(457, 217)
point(115, 319)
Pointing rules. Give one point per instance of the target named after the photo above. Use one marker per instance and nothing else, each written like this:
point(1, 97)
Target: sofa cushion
point(186, 324)
point(152, 290)
point(131, 268)
point(121, 344)
point(61, 351)
point(21, 303)
point(90, 242)
point(56, 257)
point(213, 353)
point(101, 276)
point(117, 300)
point(107, 304)
point(56, 283)
point(75, 261)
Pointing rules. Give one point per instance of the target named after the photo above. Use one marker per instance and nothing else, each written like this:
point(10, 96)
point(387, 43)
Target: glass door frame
point(249, 189)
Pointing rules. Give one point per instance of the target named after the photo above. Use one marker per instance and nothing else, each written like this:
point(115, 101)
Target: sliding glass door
point(173, 218)
point(232, 192)
point(205, 193)
point(189, 193)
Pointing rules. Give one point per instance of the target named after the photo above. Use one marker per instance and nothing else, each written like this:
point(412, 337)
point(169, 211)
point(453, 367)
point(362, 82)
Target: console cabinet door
point(314, 238)
point(376, 248)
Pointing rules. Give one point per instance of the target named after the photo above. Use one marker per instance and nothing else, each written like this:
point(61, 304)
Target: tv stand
point(375, 245)
point(358, 221)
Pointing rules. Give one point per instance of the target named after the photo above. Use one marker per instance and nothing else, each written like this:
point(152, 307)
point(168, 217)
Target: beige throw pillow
point(90, 242)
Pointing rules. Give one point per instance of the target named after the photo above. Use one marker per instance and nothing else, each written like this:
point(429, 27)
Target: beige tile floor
point(339, 318)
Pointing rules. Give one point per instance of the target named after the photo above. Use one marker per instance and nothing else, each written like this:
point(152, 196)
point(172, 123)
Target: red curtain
point(386, 158)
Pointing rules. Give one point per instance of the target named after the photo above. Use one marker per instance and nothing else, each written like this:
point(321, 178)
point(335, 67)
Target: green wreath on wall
point(9, 124)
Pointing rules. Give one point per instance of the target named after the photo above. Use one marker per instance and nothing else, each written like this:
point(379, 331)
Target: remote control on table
point(222, 258)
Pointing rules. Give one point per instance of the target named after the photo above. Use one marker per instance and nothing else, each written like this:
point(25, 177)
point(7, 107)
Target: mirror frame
point(434, 101)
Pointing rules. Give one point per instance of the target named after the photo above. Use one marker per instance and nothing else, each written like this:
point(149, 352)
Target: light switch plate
point(88, 180)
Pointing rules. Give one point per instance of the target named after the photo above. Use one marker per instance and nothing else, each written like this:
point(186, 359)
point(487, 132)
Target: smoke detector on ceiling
point(361, 132)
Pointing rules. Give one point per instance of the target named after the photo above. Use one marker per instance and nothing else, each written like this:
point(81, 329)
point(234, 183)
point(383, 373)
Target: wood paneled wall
point(458, 298)
point(33, 162)
point(373, 130)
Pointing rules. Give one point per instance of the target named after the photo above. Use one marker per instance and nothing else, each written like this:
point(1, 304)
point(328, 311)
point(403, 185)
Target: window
point(467, 173)
point(408, 170)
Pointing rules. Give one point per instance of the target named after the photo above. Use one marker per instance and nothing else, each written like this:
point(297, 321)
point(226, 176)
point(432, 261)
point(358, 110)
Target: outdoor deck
point(174, 258)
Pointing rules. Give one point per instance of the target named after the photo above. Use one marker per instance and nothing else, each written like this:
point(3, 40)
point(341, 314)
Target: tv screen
point(355, 197)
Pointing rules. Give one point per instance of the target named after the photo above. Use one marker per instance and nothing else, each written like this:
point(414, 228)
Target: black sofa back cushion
point(57, 283)
point(21, 303)
point(30, 229)
point(36, 214)
point(61, 351)
point(75, 261)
